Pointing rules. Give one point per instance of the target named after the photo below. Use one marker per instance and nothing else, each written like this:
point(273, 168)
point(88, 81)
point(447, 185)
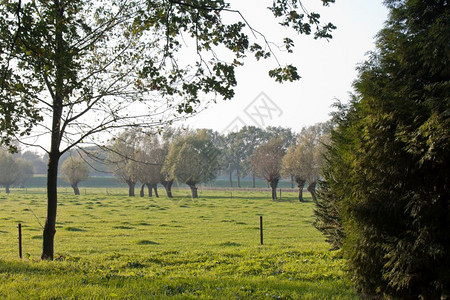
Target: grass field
point(117, 247)
point(40, 181)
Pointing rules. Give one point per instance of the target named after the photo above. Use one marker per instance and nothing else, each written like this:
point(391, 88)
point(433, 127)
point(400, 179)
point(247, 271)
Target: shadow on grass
point(76, 229)
point(230, 244)
point(146, 242)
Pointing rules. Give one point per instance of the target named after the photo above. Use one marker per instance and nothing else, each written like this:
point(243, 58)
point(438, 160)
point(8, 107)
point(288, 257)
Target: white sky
point(327, 68)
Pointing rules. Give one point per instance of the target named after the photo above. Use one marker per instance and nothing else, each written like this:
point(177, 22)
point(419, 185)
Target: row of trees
point(194, 157)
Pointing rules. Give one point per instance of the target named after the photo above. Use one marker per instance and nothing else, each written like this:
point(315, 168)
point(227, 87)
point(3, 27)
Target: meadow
point(111, 246)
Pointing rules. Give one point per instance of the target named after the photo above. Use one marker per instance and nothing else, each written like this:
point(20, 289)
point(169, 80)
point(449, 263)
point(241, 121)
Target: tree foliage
point(123, 158)
point(387, 167)
point(13, 170)
point(75, 170)
point(304, 159)
point(267, 163)
point(150, 160)
point(193, 159)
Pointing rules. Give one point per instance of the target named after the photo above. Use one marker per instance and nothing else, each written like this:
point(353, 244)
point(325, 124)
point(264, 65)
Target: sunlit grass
point(109, 245)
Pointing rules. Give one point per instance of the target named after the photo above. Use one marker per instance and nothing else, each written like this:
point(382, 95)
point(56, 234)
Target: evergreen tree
point(386, 182)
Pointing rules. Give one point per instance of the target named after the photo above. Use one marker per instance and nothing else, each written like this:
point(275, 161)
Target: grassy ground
point(40, 181)
point(117, 247)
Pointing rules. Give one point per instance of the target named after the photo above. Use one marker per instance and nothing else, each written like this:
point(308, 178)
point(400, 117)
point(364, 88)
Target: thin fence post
point(261, 237)
point(20, 240)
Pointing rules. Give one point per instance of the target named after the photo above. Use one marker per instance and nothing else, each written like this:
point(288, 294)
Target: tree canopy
point(387, 179)
point(123, 154)
point(193, 159)
point(75, 170)
point(267, 162)
point(13, 170)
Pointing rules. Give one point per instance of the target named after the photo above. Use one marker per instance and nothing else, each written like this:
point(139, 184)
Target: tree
point(387, 168)
point(75, 170)
point(123, 158)
point(13, 170)
point(250, 138)
point(25, 171)
point(267, 162)
point(312, 142)
point(292, 166)
point(75, 69)
point(39, 166)
point(303, 160)
point(328, 213)
point(287, 136)
point(235, 155)
point(150, 160)
point(168, 137)
point(193, 159)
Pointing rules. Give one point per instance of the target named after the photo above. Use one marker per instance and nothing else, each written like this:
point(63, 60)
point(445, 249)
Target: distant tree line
point(193, 157)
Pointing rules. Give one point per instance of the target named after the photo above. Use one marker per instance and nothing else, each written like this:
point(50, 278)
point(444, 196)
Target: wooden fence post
point(261, 237)
point(20, 240)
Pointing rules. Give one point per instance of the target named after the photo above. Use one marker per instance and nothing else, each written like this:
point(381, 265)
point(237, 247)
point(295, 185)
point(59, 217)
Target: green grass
point(117, 247)
point(40, 181)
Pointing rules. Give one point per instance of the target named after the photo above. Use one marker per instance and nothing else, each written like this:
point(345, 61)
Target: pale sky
point(327, 69)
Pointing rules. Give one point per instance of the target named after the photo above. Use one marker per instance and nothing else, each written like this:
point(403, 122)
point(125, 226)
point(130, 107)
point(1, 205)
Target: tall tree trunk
point(155, 187)
point(52, 203)
point(57, 92)
point(7, 189)
point(273, 184)
point(150, 191)
point(168, 186)
point(131, 185)
point(300, 184)
point(76, 190)
point(194, 191)
point(231, 178)
point(312, 189)
point(142, 192)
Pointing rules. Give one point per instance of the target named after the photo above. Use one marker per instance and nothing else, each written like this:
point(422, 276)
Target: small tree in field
point(193, 159)
point(292, 167)
point(13, 171)
point(303, 161)
point(150, 158)
point(122, 156)
point(267, 162)
point(74, 170)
